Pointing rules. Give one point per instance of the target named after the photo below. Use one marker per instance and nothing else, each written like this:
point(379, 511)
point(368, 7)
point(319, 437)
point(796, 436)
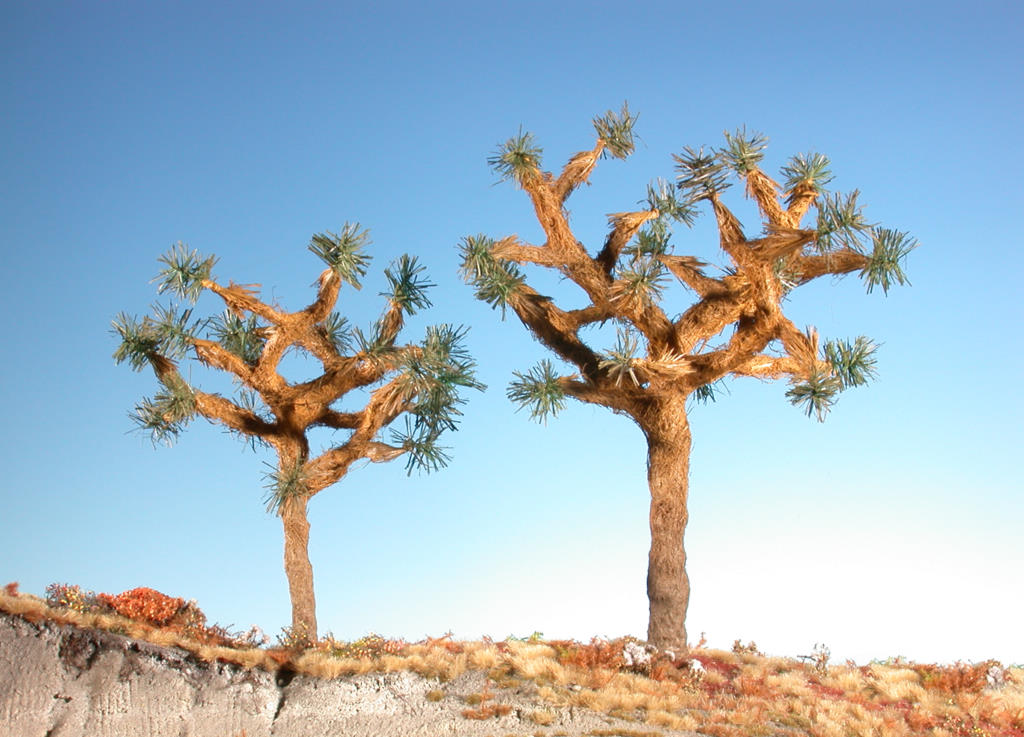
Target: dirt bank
point(63, 681)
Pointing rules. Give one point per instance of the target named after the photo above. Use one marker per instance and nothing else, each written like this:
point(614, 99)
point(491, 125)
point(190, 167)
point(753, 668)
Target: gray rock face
point(61, 681)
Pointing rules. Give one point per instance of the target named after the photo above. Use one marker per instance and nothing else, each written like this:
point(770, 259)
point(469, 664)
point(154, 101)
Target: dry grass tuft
point(734, 694)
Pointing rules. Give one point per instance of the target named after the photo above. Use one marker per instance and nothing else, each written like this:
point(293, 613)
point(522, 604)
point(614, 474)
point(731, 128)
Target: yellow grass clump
point(720, 693)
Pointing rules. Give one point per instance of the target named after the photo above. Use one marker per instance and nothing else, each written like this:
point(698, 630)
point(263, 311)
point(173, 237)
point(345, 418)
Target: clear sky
point(242, 128)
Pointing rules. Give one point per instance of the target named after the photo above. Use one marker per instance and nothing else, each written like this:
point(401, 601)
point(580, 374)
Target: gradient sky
point(894, 528)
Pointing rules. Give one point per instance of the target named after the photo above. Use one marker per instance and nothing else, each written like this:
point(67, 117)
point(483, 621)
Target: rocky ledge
point(62, 681)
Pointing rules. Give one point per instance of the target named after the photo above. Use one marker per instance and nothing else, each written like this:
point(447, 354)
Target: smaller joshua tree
point(418, 381)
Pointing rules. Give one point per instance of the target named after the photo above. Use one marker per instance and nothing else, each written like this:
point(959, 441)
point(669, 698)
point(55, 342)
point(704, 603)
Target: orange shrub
point(145, 605)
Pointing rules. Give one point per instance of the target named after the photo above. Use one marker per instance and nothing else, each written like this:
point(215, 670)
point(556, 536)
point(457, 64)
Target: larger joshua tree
point(418, 381)
point(735, 326)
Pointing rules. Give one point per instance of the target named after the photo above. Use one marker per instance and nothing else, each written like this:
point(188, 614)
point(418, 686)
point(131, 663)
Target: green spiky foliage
point(139, 340)
point(408, 285)
point(184, 272)
point(853, 363)
point(815, 394)
point(241, 336)
point(344, 253)
point(664, 198)
point(167, 413)
point(518, 159)
point(620, 360)
point(806, 170)
point(539, 391)
point(284, 485)
point(616, 131)
point(888, 255)
point(495, 281)
point(734, 325)
point(743, 151)
point(338, 331)
point(841, 223)
point(423, 382)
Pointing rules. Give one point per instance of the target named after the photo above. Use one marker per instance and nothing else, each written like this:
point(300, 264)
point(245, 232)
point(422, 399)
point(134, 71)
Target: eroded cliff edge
point(58, 680)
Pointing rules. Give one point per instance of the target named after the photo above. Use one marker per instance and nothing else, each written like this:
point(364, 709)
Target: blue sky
point(241, 129)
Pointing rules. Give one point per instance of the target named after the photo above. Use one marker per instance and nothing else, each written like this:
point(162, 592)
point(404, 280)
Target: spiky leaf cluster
point(250, 402)
point(661, 196)
point(787, 277)
point(538, 390)
point(700, 175)
point(853, 363)
point(888, 256)
point(652, 241)
point(422, 450)
point(408, 286)
point(377, 347)
point(841, 223)
point(343, 252)
point(495, 281)
point(168, 333)
point(241, 336)
point(337, 331)
point(815, 395)
point(707, 393)
point(743, 151)
point(283, 484)
point(184, 272)
point(616, 131)
point(432, 373)
point(518, 159)
point(807, 170)
point(139, 340)
point(175, 331)
point(430, 379)
point(641, 281)
point(619, 362)
point(167, 413)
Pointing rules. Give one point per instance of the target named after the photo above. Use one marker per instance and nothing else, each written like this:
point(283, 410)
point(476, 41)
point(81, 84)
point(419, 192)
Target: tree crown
point(735, 325)
point(421, 381)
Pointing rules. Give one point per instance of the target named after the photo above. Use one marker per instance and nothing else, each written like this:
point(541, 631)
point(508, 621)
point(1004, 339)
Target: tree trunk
point(297, 566)
point(668, 470)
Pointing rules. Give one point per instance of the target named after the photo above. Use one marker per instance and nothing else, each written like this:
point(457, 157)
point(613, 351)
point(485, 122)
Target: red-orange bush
point(487, 711)
point(145, 605)
point(598, 654)
point(956, 678)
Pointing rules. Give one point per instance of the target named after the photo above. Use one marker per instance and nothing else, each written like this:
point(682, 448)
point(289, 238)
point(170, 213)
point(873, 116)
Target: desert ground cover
point(731, 693)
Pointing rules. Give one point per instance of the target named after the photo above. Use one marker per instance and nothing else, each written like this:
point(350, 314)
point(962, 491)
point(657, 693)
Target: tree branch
point(800, 200)
point(764, 366)
point(688, 270)
point(730, 233)
point(314, 341)
point(338, 420)
point(215, 355)
point(241, 298)
point(765, 192)
point(382, 452)
point(554, 328)
point(616, 398)
point(839, 262)
point(577, 171)
point(624, 226)
point(753, 333)
point(781, 242)
point(218, 409)
point(712, 314)
point(510, 249)
point(328, 285)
